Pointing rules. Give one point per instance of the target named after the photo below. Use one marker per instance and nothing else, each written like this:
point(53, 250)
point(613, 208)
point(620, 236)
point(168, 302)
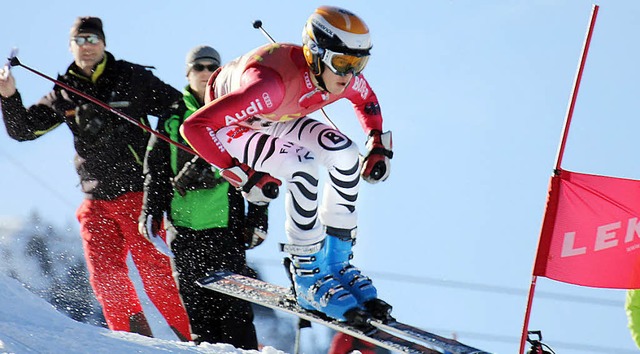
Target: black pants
point(215, 318)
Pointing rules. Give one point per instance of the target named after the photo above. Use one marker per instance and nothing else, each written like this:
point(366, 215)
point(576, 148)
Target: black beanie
point(88, 24)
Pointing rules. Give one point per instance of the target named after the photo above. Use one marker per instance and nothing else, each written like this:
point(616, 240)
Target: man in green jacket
point(207, 229)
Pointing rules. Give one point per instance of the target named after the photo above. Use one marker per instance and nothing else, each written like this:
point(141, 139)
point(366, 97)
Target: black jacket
point(110, 150)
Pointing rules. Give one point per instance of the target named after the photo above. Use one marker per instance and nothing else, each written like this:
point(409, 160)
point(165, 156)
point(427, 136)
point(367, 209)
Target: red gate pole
point(557, 169)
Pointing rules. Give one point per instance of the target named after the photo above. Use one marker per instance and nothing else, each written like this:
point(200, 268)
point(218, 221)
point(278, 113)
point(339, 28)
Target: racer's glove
point(257, 187)
point(376, 166)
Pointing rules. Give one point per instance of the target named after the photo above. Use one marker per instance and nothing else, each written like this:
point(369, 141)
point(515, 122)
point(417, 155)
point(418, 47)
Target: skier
point(209, 230)
point(109, 153)
point(256, 129)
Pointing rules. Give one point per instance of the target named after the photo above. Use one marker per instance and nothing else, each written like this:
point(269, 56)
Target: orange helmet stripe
point(342, 19)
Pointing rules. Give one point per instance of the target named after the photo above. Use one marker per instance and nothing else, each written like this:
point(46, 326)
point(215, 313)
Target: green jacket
point(632, 307)
point(209, 202)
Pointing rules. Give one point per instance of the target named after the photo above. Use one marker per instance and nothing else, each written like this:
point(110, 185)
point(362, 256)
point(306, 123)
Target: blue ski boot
point(315, 287)
point(360, 286)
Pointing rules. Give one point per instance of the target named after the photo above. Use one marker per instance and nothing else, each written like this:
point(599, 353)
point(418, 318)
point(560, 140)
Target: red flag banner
point(591, 231)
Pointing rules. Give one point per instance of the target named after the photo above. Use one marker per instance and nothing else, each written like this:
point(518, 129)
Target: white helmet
point(336, 38)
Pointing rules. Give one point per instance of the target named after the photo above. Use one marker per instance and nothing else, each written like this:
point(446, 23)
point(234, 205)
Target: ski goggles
point(343, 64)
point(82, 40)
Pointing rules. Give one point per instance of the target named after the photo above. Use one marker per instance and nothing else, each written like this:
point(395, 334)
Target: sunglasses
point(91, 39)
point(200, 67)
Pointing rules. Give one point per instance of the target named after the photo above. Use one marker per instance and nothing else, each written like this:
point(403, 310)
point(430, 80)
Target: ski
point(390, 335)
point(279, 298)
point(448, 344)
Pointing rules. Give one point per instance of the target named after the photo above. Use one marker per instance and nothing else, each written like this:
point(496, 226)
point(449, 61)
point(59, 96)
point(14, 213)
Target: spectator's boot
point(138, 324)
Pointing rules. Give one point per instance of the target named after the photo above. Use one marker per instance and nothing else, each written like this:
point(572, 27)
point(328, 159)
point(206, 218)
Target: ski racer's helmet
point(335, 38)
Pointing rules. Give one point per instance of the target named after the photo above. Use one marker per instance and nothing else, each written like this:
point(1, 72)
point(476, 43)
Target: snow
point(28, 324)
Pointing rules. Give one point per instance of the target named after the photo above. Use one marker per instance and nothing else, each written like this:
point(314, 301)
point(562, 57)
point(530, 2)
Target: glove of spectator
point(256, 225)
point(195, 174)
point(376, 166)
point(257, 187)
point(253, 236)
point(149, 227)
point(90, 119)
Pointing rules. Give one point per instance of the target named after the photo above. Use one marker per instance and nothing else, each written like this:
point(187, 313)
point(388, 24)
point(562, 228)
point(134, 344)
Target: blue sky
point(476, 95)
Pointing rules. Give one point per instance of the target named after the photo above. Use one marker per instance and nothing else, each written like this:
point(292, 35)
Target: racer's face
point(335, 84)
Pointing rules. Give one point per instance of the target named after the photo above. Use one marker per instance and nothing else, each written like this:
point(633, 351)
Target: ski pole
point(270, 190)
point(257, 24)
point(16, 62)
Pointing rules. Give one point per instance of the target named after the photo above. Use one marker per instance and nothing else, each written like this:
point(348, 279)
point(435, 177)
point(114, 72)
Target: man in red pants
point(109, 159)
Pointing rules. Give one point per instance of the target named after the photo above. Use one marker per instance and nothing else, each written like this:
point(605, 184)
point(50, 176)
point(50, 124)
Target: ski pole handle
point(271, 190)
point(8, 65)
point(257, 24)
point(378, 170)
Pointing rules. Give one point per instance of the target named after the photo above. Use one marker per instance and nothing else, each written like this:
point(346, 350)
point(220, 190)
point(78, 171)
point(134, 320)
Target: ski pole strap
point(381, 151)
point(251, 182)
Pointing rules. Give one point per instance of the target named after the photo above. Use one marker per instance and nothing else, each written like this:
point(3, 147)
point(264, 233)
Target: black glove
point(257, 224)
point(253, 236)
point(195, 174)
point(148, 225)
point(90, 119)
point(376, 165)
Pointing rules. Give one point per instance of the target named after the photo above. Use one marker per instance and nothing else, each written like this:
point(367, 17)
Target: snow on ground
point(28, 324)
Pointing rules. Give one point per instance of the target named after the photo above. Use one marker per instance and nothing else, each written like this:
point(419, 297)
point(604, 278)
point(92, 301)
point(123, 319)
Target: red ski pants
point(109, 230)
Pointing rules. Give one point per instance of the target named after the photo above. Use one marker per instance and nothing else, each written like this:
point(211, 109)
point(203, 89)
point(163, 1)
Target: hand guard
point(376, 166)
point(253, 236)
point(257, 187)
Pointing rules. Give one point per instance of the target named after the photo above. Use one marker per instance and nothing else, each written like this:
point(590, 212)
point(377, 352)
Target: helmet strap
point(318, 77)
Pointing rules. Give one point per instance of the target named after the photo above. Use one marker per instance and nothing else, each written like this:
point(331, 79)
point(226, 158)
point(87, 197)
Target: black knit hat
point(88, 24)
